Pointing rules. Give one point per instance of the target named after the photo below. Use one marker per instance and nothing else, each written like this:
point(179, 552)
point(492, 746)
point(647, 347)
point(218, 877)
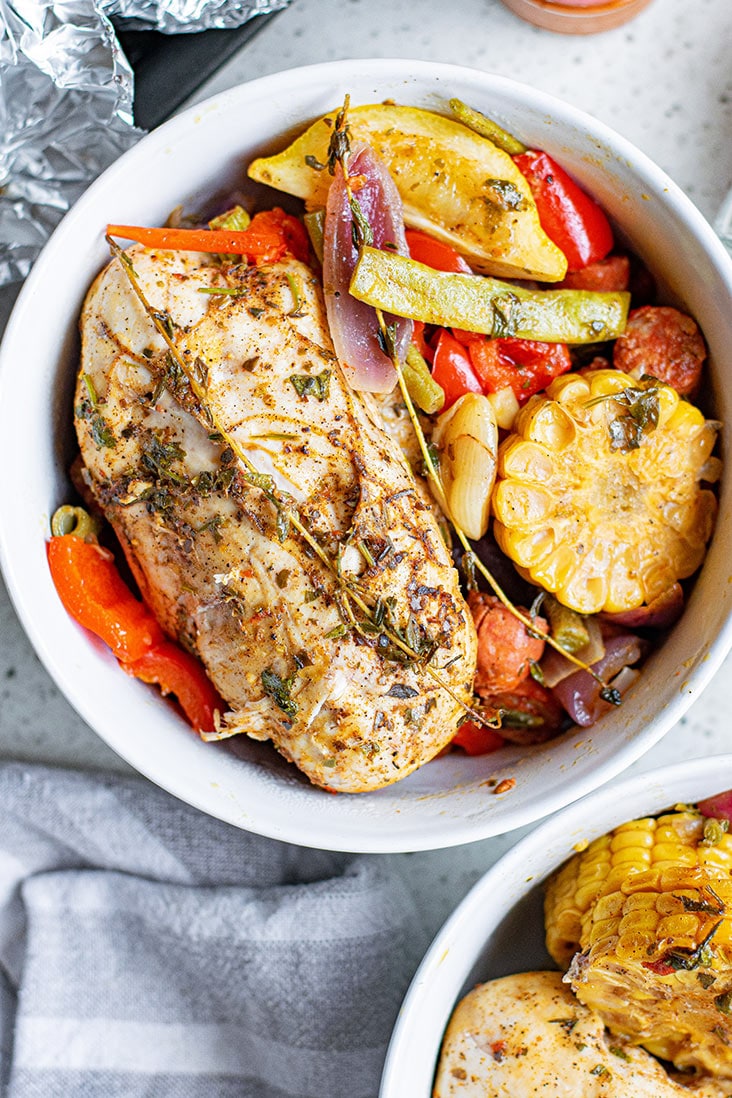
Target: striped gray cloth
point(148, 951)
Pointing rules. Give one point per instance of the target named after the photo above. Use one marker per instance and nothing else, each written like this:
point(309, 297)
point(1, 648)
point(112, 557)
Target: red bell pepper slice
point(94, 594)
point(434, 253)
point(177, 672)
point(476, 739)
point(568, 216)
point(452, 370)
point(418, 338)
point(526, 365)
point(269, 236)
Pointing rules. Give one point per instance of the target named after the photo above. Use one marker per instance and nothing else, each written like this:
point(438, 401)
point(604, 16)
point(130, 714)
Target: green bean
point(234, 220)
point(315, 225)
point(567, 626)
point(486, 127)
point(423, 389)
point(403, 287)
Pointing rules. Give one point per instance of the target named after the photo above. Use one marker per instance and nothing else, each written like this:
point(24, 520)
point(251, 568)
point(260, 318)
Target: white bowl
point(498, 929)
point(198, 153)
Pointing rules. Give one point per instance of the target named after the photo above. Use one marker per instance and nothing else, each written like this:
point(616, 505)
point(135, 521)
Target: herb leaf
point(316, 385)
point(401, 690)
point(278, 690)
point(504, 194)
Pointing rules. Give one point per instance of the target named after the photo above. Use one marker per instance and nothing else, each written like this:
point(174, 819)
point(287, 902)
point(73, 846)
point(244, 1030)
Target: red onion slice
point(659, 614)
point(580, 693)
point(719, 806)
point(353, 324)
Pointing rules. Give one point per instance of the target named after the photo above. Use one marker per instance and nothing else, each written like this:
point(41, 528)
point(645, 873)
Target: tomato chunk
point(526, 365)
point(452, 370)
point(476, 739)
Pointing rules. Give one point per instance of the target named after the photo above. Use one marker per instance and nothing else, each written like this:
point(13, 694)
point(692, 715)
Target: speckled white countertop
point(664, 81)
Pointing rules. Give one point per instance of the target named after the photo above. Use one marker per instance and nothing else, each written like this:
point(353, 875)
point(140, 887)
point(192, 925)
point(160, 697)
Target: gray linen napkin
point(149, 951)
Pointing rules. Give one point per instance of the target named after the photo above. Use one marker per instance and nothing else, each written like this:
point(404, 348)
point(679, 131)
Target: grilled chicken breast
point(305, 653)
point(526, 1035)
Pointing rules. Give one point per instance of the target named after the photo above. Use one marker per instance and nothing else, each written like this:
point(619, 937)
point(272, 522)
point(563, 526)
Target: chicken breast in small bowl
point(592, 959)
point(281, 531)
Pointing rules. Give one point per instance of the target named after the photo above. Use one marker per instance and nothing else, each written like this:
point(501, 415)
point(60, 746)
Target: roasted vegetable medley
point(640, 923)
point(420, 466)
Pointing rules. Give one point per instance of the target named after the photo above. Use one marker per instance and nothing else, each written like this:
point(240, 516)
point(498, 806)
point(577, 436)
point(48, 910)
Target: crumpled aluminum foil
point(66, 99)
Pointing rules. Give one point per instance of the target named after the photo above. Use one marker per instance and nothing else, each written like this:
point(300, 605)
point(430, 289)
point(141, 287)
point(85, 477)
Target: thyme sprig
point(338, 150)
point(432, 471)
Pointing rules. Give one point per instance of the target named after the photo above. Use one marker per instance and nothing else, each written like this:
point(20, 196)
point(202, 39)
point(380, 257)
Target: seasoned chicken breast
point(526, 1035)
point(307, 652)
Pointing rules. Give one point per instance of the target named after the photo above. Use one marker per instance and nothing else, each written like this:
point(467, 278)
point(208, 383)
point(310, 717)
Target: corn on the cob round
point(599, 495)
point(643, 918)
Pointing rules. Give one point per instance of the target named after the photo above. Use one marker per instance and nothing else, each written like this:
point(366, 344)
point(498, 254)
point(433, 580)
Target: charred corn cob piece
point(643, 918)
point(600, 495)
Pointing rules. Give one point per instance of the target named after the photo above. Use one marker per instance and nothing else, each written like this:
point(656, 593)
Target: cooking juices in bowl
point(289, 432)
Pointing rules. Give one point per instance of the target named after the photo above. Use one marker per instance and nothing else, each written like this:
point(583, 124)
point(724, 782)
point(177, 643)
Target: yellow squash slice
point(455, 185)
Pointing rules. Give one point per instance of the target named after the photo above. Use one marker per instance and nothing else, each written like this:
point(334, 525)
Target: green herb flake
point(502, 308)
point(293, 283)
point(567, 1024)
point(339, 631)
point(639, 409)
point(89, 385)
point(158, 458)
point(224, 291)
point(278, 689)
point(282, 525)
point(401, 690)
point(706, 979)
point(316, 385)
point(101, 431)
point(599, 1069)
point(504, 194)
point(361, 233)
point(434, 457)
point(619, 1052)
point(723, 1002)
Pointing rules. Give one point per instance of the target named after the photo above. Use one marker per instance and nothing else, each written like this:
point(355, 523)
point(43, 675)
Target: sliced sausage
point(606, 276)
point(662, 342)
point(505, 647)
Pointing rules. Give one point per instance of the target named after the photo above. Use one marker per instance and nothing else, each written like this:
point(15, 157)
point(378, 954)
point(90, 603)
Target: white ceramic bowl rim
point(423, 811)
point(440, 979)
